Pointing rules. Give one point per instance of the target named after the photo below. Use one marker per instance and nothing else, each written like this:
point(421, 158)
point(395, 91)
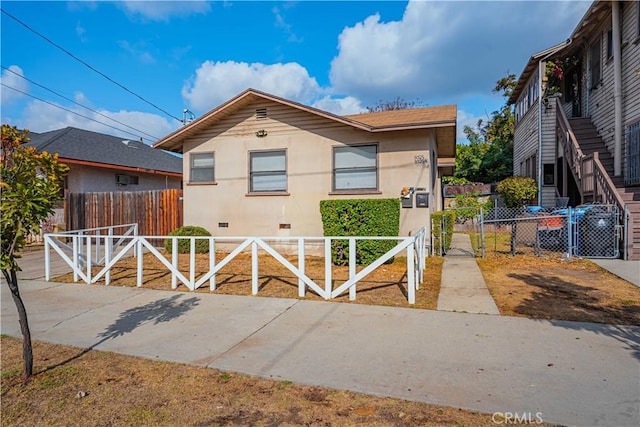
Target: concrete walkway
point(463, 288)
point(570, 373)
point(627, 270)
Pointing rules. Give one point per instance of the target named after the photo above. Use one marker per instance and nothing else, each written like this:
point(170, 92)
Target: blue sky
point(335, 55)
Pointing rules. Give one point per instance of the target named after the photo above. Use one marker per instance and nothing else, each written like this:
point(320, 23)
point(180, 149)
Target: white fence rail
point(93, 253)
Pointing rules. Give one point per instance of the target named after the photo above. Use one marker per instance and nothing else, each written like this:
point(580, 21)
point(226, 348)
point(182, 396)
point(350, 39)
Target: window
point(267, 171)
point(122, 179)
point(202, 167)
point(548, 173)
point(632, 175)
point(594, 57)
point(610, 43)
point(355, 167)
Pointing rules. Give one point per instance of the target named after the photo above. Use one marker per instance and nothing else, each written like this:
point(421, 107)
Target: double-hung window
point(268, 171)
point(355, 167)
point(202, 167)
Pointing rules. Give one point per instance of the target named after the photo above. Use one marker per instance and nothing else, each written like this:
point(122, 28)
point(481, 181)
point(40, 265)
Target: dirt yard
point(385, 286)
point(90, 388)
point(561, 289)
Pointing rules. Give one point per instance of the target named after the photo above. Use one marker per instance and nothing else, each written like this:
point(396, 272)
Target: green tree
point(488, 157)
point(30, 187)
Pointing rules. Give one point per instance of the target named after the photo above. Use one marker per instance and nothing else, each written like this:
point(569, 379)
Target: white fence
point(92, 253)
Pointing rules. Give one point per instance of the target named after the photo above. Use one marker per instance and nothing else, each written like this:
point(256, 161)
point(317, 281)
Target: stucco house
point(577, 108)
point(105, 163)
point(258, 165)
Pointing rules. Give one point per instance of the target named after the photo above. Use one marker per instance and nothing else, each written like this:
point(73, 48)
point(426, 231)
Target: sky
point(131, 68)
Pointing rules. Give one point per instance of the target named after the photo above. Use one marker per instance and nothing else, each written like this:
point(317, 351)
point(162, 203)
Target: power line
point(87, 65)
point(68, 110)
point(77, 103)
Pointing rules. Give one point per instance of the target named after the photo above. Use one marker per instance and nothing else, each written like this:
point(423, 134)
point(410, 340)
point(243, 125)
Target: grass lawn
point(92, 388)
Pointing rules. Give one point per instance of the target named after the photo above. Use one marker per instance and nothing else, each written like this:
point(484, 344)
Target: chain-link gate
point(588, 231)
point(465, 220)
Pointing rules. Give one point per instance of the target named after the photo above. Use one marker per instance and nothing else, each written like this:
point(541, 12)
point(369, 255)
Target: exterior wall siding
point(525, 141)
point(308, 140)
point(87, 179)
point(630, 70)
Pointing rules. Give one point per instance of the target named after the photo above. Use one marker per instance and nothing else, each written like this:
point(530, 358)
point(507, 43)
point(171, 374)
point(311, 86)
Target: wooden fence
point(157, 212)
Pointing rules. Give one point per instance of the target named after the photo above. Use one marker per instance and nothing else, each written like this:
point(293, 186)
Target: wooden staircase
point(590, 142)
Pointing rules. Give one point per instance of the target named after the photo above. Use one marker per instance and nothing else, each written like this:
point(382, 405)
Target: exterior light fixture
point(261, 133)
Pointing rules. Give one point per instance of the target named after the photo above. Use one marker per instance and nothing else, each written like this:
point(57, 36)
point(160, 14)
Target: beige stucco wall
point(308, 141)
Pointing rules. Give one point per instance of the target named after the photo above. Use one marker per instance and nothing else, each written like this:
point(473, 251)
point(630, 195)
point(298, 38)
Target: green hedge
point(184, 245)
point(360, 217)
point(448, 218)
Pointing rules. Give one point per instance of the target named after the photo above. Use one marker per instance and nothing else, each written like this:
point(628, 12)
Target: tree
point(395, 104)
point(30, 187)
point(489, 155)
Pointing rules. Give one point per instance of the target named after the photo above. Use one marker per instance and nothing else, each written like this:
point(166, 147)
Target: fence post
point(138, 253)
point(411, 274)
point(108, 243)
point(301, 267)
point(212, 263)
point(482, 241)
point(89, 260)
point(254, 267)
point(327, 267)
point(75, 239)
point(192, 263)
point(352, 267)
point(174, 262)
point(570, 232)
point(47, 259)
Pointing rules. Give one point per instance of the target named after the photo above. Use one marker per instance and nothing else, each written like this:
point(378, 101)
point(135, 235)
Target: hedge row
point(360, 217)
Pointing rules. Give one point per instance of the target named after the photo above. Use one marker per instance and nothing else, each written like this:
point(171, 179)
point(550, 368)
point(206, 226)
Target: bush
point(360, 217)
point(184, 245)
point(517, 191)
point(468, 206)
point(438, 220)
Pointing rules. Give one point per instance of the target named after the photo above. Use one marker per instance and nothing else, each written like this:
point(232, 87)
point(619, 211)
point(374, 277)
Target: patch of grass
point(125, 390)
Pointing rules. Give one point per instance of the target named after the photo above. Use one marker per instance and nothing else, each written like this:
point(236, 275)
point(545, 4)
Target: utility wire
point(88, 65)
point(70, 111)
point(77, 103)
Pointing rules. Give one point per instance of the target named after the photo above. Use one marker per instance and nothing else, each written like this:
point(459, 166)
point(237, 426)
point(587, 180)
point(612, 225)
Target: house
point(577, 108)
point(105, 163)
point(260, 164)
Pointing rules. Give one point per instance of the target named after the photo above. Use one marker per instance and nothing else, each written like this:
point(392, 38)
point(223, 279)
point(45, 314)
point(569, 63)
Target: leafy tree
point(489, 155)
point(395, 104)
point(30, 188)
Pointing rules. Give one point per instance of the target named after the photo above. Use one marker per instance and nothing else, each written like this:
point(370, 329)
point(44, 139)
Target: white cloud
point(466, 119)
point(340, 106)
point(10, 79)
point(42, 117)
point(163, 10)
point(216, 82)
point(446, 50)
point(285, 26)
point(138, 51)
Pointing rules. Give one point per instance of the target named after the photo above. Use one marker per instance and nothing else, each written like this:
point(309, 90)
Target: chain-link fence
point(466, 220)
point(588, 231)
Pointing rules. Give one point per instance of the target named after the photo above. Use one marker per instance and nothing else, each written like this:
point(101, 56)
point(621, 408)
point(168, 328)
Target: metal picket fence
point(588, 231)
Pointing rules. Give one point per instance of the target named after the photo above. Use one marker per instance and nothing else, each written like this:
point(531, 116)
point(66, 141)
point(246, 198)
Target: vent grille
point(261, 113)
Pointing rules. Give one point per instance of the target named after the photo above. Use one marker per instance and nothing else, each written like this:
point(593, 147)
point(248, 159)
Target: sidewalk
point(462, 286)
point(571, 373)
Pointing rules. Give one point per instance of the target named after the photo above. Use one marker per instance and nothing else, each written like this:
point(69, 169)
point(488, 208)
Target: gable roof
point(592, 18)
point(75, 145)
point(419, 118)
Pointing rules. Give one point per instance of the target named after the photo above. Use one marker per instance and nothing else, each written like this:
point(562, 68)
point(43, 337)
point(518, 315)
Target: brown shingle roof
point(408, 117)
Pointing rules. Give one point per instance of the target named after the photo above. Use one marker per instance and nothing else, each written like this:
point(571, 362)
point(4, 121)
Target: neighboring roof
point(419, 118)
point(75, 145)
point(429, 116)
point(590, 21)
